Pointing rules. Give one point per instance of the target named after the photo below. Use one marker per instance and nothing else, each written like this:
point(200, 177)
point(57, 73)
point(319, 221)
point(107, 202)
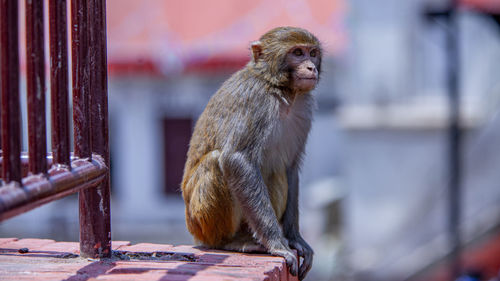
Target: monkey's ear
point(256, 50)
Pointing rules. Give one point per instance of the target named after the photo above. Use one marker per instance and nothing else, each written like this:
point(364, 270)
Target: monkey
point(241, 176)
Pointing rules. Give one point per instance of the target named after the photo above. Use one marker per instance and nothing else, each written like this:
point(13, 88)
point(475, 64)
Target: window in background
point(176, 133)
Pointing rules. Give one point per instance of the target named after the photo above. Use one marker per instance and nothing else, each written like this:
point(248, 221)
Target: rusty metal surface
point(10, 109)
point(81, 79)
point(35, 62)
point(61, 181)
point(59, 81)
point(90, 119)
point(25, 162)
point(98, 78)
point(95, 226)
point(87, 174)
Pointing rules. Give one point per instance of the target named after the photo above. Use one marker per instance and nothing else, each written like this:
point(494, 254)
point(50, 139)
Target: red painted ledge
point(44, 259)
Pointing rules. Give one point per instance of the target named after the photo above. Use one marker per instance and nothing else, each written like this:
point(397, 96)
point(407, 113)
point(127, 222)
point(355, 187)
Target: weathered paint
point(61, 181)
point(35, 59)
point(59, 81)
point(10, 107)
point(91, 120)
point(87, 173)
point(80, 78)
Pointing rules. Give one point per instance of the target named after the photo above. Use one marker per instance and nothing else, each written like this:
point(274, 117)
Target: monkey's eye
point(313, 53)
point(298, 52)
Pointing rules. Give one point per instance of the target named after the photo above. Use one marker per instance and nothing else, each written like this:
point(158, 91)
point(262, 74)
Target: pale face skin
point(304, 59)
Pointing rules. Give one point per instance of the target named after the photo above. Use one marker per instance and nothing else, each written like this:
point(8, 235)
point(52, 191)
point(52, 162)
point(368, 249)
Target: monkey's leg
point(291, 223)
point(245, 181)
point(211, 214)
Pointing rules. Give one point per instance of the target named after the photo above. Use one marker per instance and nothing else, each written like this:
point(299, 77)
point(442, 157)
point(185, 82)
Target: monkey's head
point(288, 57)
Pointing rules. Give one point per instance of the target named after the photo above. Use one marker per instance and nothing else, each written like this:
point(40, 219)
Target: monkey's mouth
point(305, 83)
point(307, 78)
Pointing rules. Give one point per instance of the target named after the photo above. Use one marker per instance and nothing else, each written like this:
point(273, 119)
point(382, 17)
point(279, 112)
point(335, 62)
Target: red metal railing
point(31, 179)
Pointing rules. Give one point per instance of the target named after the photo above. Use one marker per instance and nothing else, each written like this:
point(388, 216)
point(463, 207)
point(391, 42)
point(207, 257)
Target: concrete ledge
point(44, 259)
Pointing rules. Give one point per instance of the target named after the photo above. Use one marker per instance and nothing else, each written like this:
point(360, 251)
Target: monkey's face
point(287, 57)
point(303, 62)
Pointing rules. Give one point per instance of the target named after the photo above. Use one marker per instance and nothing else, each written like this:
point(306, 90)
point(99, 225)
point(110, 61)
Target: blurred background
point(391, 185)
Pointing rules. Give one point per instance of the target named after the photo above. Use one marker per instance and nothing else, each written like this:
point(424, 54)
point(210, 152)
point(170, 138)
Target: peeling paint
point(34, 177)
point(58, 167)
point(101, 201)
point(10, 185)
point(36, 188)
point(39, 89)
point(99, 159)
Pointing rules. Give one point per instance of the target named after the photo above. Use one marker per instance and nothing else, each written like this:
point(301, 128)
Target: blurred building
point(395, 117)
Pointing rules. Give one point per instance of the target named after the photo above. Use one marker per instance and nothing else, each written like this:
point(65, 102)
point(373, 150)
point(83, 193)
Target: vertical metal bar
point(97, 201)
point(59, 81)
point(98, 78)
point(81, 114)
point(35, 59)
point(99, 110)
point(10, 108)
point(454, 138)
point(90, 94)
point(80, 74)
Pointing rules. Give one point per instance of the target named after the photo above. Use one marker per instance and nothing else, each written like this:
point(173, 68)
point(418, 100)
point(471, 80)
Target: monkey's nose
point(310, 68)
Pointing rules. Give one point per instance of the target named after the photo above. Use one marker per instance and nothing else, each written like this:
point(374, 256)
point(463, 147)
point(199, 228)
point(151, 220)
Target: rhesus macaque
point(240, 183)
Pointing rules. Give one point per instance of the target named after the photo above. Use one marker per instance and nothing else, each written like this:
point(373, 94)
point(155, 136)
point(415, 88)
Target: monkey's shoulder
point(244, 85)
point(244, 94)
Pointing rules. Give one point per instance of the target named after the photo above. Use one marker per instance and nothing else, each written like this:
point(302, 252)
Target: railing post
point(59, 81)
point(81, 78)
point(35, 59)
point(90, 96)
point(99, 118)
point(10, 108)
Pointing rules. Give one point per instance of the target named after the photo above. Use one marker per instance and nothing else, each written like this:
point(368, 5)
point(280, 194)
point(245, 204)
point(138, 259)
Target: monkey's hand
point(304, 251)
point(284, 251)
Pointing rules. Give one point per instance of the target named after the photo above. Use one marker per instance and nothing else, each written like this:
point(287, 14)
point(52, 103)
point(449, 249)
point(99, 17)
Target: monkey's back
point(235, 117)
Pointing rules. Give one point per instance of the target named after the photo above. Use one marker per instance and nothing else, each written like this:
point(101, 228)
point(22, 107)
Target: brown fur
point(278, 194)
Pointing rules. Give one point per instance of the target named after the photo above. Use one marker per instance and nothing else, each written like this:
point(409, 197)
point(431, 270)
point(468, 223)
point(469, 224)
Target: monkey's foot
point(245, 247)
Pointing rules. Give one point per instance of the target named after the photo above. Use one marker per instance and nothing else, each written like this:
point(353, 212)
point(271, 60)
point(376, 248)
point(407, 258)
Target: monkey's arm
point(291, 222)
point(246, 183)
